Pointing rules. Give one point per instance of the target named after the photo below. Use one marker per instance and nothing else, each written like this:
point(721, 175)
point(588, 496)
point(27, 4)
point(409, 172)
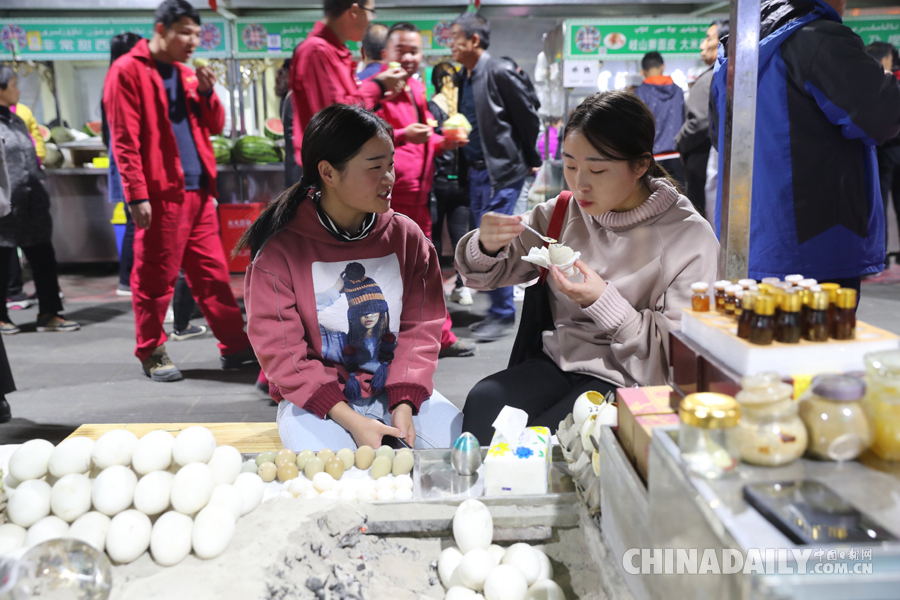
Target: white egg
point(128, 536)
point(385, 483)
point(329, 494)
point(251, 488)
point(298, 485)
point(192, 488)
point(524, 558)
point(170, 540)
point(194, 444)
point(473, 526)
point(310, 494)
point(113, 490)
point(587, 404)
point(448, 562)
point(586, 429)
point(114, 447)
point(48, 528)
point(12, 537)
point(323, 482)
point(213, 530)
point(71, 496)
point(546, 565)
point(505, 583)
point(71, 456)
point(460, 593)
point(385, 495)
point(474, 568)
point(153, 452)
point(91, 528)
point(349, 485)
point(29, 503)
point(226, 464)
point(403, 495)
point(497, 553)
point(348, 495)
point(545, 589)
point(227, 497)
point(153, 493)
point(403, 481)
point(30, 460)
point(367, 495)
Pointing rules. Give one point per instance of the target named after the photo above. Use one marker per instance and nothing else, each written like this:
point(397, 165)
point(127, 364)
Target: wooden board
point(246, 437)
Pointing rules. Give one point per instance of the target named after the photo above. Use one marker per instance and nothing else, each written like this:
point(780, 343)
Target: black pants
point(675, 170)
point(7, 385)
point(42, 259)
point(538, 386)
point(695, 173)
point(15, 276)
point(182, 303)
point(452, 203)
point(889, 176)
point(126, 261)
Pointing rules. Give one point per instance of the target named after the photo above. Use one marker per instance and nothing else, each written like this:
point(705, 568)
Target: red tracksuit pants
point(184, 236)
point(421, 214)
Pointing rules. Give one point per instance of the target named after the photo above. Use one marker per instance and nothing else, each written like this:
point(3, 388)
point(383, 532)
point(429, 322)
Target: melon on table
point(45, 133)
point(93, 128)
point(274, 129)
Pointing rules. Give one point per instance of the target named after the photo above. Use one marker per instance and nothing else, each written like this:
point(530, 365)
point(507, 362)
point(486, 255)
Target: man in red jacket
point(322, 66)
point(161, 115)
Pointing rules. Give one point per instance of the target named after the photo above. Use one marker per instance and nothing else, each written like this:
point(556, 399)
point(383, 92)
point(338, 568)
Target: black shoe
point(459, 349)
point(192, 331)
point(493, 329)
point(239, 360)
point(5, 413)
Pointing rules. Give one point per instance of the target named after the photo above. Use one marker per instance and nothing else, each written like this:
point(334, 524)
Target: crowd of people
point(344, 295)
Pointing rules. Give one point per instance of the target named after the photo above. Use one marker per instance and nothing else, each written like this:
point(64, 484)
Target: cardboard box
point(643, 433)
point(641, 402)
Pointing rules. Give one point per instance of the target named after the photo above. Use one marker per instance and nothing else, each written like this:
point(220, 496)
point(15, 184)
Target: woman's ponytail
point(656, 171)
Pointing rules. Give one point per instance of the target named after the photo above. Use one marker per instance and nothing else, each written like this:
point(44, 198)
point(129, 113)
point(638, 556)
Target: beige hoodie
point(649, 257)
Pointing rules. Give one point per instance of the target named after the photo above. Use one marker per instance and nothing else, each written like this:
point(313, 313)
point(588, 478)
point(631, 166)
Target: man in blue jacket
point(823, 104)
point(666, 101)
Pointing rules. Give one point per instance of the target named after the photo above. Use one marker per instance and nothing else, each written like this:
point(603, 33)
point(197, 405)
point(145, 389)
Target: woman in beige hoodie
point(642, 245)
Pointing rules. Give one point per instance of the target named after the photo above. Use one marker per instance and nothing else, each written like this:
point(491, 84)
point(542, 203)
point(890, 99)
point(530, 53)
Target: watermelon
point(45, 133)
point(54, 158)
point(221, 139)
point(61, 135)
point(255, 150)
point(93, 128)
point(274, 129)
point(223, 154)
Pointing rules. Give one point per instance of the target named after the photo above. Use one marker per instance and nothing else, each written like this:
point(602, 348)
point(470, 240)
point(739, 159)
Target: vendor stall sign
point(621, 39)
point(877, 29)
point(89, 39)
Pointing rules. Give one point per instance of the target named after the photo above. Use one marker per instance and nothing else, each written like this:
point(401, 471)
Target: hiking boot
point(492, 329)
point(18, 301)
point(52, 323)
point(9, 328)
point(239, 360)
point(5, 413)
point(192, 331)
point(462, 296)
point(459, 349)
point(124, 291)
point(159, 367)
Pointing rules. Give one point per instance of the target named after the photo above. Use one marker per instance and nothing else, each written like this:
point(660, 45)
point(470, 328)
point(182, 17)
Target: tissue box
point(520, 468)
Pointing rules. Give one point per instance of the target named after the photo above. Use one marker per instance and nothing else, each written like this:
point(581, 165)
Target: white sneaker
point(461, 295)
point(170, 316)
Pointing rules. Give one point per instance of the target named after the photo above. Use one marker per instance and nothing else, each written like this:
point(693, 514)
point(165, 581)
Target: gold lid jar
point(831, 289)
point(846, 298)
point(709, 411)
point(791, 303)
point(764, 305)
point(709, 437)
point(819, 300)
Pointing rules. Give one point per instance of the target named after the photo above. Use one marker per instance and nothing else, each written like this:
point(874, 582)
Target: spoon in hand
point(549, 240)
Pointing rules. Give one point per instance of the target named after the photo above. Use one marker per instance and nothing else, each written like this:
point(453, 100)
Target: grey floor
point(91, 376)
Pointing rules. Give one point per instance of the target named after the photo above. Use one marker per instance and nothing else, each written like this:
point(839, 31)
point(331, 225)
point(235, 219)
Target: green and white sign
point(276, 38)
point(875, 29)
point(88, 39)
point(620, 39)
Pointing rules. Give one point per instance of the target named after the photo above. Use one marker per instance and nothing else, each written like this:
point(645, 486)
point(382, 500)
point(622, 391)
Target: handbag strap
point(556, 222)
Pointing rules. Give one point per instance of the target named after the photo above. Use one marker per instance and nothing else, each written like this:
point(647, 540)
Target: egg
point(313, 466)
point(586, 429)
point(30, 460)
point(346, 455)
point(607, 415)
point(153, 493)
point(226, 496)
point(545, 589)
point(264, 457)
point(403, 494)
point(448, 562)
point(310, 494)
point(249, 466)
point(91, 528)
point(285, 494)
point(385, 494)
point(586, 404)
point(473, 526)
point(323, 482)
point(251, 488)
point(30, 503)
point(505, 583)
point(170, 539)
point(385, 451)
point(367, 495)
point(213, 530)
point(326, 454)
point(71, 496)
point(48, 528)
point(381, 466)
point(404, 451)
point(284, 456)
point(335, 467)
point(348, 495)
point(364, 457)
point(329, 494)
point(303, 457)
point(12, 537)
point(226, 464)
point(128, 536)
point(474, 568)
point(298, 486)
point(524, 558)
point(403, 463)
point(267, 472)
point(496, 553)
point(403, 481)
point(113, 490)
point(546, 565)
point(595, 463)
point(73, 455)
point(114, 447)
point(192, 488)
point(460, 593)
point(385, 483)
point(193, 445)
point(287, 471)
point(153, 452)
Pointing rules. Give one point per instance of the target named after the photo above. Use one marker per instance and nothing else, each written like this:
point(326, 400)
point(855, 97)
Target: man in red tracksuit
point(415, 147)
point(161, 115)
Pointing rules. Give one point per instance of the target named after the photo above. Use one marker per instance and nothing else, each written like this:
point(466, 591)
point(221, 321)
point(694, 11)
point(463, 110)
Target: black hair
point(374, 41)
point(620, 127)
point(335, 8)
point(652, 60)
point(721, 27)
point(120, 45)
point(880, 50)
point(283, 79)
point(402, 26)
point(171, 11)
point(440, 71)
point(335, 134)
point(6, 75)
point(471, 24)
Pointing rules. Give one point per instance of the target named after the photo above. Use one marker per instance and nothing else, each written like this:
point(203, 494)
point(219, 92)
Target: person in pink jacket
point(344, 298)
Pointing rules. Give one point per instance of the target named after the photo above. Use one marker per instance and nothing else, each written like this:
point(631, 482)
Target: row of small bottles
point(783, 311)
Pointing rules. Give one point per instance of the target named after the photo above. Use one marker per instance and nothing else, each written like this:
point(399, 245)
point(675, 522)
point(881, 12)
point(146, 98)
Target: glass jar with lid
point(883, 402)
point(771, 431)
point(708, 436)
point(837, 425)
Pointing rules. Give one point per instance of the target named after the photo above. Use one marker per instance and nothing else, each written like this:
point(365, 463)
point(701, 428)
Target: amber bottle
point(762, 327)
point(831, 289)
point(845, 315)
point(700, 297)
point(720, 294)
point(730, 298)
point(817, 325)
point(746, 314)
point(787, 324)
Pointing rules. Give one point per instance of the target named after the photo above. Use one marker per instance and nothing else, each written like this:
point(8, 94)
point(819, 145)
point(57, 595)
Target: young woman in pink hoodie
point(344, 298)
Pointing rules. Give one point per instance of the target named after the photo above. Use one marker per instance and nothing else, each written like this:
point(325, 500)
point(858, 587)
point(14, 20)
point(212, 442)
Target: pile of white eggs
point(323, 485)
point(477, 569)
point(126, 495)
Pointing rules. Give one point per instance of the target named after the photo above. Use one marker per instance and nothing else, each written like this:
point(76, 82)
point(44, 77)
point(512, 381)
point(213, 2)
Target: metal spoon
point(549, 240)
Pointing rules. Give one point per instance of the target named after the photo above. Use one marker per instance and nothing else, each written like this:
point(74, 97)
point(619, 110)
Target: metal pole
point(740, 130)
point(232, 85)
